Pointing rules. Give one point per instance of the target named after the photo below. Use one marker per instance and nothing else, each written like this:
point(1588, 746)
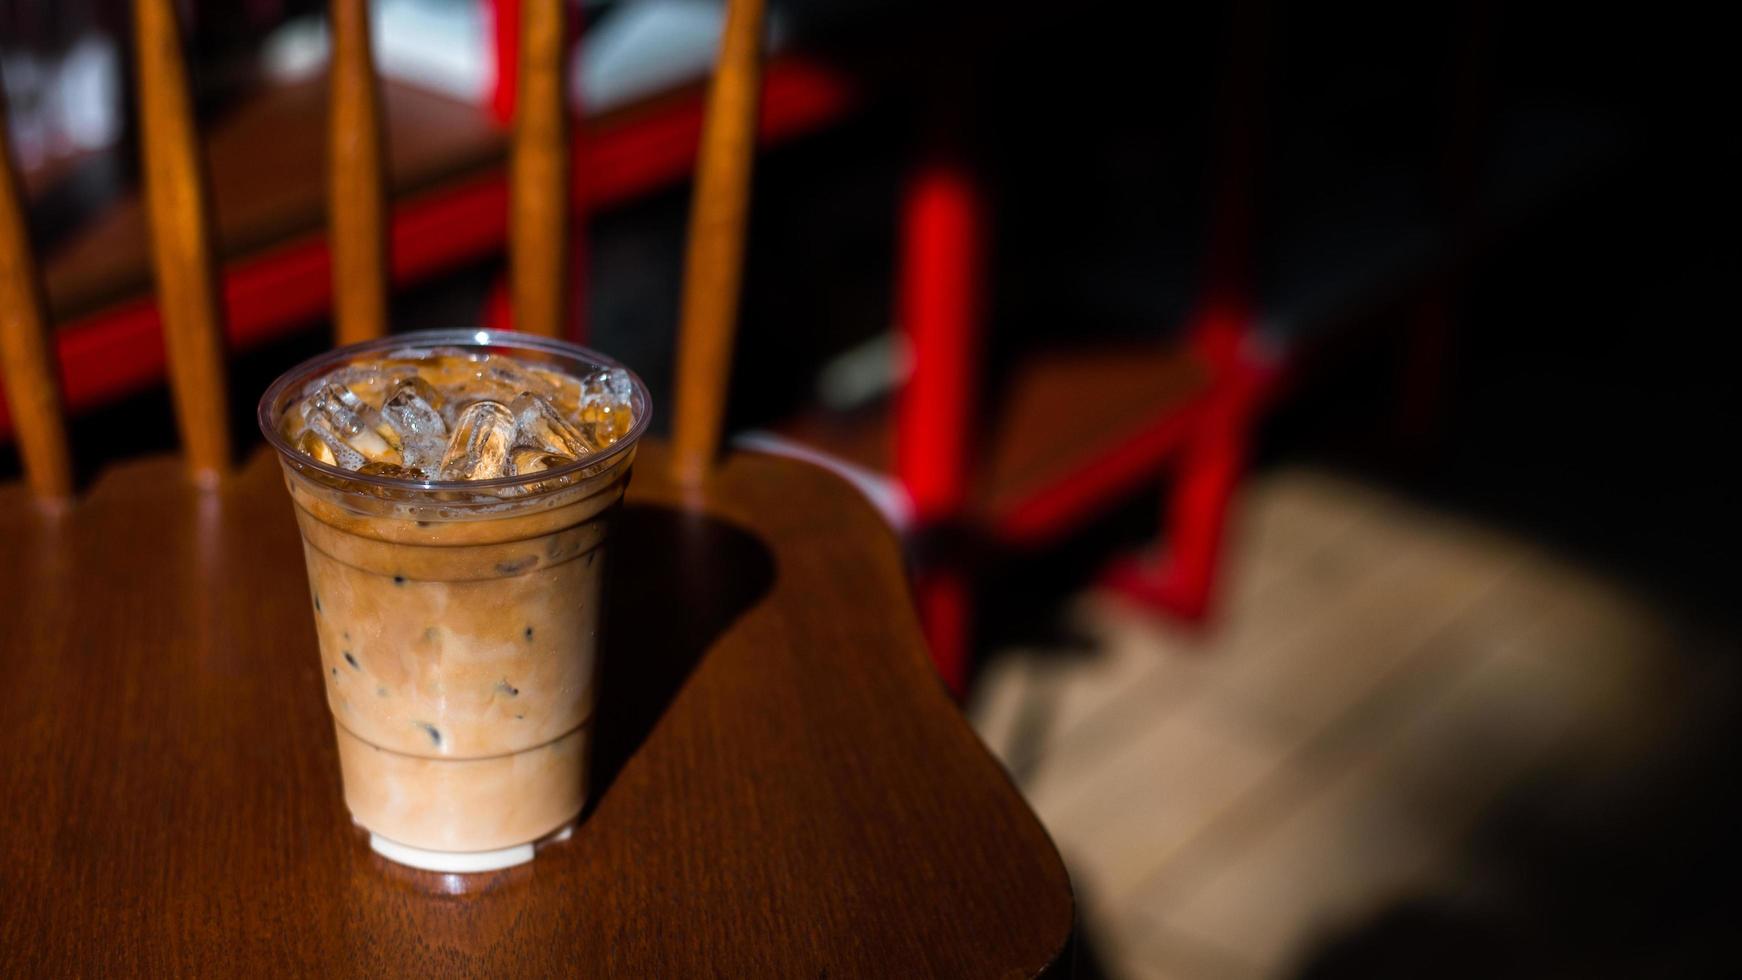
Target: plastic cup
point(458, 626)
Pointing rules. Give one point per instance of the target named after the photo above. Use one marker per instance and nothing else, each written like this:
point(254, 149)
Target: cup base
point(462, 862)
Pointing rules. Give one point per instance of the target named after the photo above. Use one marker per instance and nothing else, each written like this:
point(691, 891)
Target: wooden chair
point(782, 787)
point(1071, 430)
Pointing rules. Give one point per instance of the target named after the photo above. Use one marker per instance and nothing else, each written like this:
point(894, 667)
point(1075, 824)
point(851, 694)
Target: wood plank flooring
point(1378, 676)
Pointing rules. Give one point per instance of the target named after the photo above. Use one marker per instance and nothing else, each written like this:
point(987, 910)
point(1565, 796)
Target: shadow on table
point(676, 581)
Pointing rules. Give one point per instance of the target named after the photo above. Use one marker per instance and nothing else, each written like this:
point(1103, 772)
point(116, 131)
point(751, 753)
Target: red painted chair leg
point(1179, 578)
point(499, 305)
point(939, 307)
point(945, 613)
point(504, 19)
point(942, 234)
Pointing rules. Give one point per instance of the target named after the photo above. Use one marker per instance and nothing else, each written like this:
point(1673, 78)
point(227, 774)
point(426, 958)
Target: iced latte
point(453, 490)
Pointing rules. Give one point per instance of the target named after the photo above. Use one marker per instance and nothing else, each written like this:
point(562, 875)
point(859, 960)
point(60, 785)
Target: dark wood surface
point(1055, 410)
point(267, 157)
point(1060, 408)
point(782, 787)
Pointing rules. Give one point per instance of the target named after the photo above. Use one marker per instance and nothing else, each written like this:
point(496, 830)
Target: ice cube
point(606, 423)
point(531, 459)
point(314, 447)
point(349, 416)
point(605, 404)
point(411, 414)
point(370, 444)
point(608, 384)
point(501, 378)
point(425, 355)
point(327, 445)
point(565, 390)
point(392, 471)
point(338, 405)
point(457, 403)
point(478, 447)
point(368, 376)
point(539, 426)
point(423, 389)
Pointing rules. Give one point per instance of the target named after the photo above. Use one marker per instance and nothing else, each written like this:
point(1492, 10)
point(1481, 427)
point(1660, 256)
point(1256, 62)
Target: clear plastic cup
point(458, 626)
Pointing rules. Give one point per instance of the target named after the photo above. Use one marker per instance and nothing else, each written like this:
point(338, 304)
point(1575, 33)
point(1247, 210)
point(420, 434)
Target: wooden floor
point(1230, 799)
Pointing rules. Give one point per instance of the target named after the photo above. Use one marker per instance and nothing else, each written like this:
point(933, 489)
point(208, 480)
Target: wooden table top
point(782, 787)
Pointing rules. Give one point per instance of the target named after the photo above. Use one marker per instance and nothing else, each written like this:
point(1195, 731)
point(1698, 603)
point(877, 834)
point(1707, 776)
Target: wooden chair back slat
point(713, 263)
point(539, 174)
point(356, 180)
point(179, 213)
point(178, 208)
point(26, 349)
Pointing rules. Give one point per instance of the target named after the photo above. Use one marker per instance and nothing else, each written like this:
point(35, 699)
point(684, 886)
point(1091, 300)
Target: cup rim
point(475, 339)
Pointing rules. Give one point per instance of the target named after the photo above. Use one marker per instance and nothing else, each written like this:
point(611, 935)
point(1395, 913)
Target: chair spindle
point(26, 348)
point(714, 260)
point(539, 174)
point(357, 201)
point(179, 213)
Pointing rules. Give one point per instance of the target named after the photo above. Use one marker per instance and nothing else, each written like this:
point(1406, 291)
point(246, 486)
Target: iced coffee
point(453, 490)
